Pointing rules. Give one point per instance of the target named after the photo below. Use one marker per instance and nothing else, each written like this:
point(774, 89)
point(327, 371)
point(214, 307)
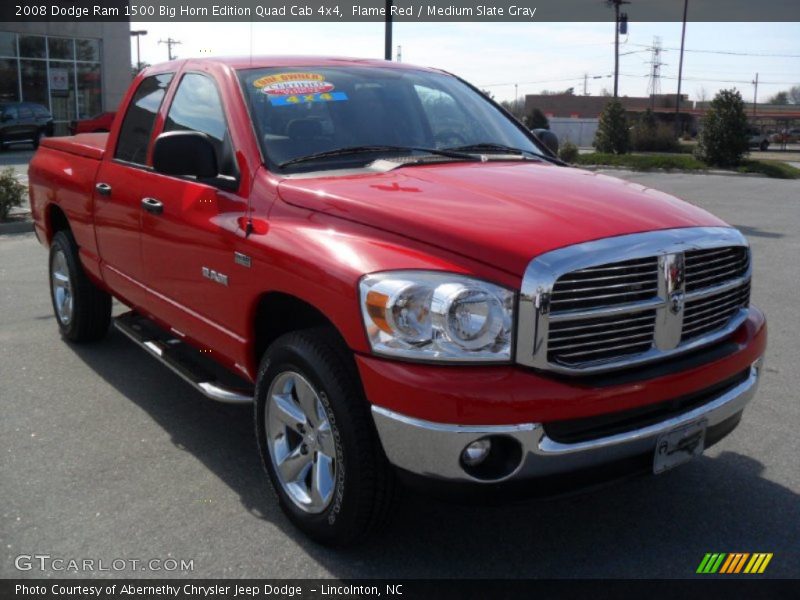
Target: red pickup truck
point(401, 279)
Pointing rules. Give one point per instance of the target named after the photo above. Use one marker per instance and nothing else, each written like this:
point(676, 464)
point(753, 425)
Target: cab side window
point(137, 127)
point(198, 107)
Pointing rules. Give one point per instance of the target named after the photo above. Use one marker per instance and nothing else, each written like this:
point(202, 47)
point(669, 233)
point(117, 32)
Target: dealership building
point(76, 70)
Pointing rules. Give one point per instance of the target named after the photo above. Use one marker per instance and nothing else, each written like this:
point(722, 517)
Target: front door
point(190, 229)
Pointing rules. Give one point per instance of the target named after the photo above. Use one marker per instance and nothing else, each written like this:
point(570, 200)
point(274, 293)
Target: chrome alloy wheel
point(62, 288)
point(300, 441)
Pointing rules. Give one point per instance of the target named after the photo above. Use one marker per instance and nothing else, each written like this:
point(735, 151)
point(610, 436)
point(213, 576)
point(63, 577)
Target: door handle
point(152, 205)
point(103, 189)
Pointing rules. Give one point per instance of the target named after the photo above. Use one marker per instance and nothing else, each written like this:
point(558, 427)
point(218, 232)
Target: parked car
point(97, 124)
point(24, 122)
point(758, 139)
point(787, 136)
point(404, 282)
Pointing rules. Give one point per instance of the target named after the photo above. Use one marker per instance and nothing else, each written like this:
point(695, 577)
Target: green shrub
point(568, 152)
point(723, 141)
point(771, 168)
point(612, 130)
point(538, 120)
point(12, 192)
point(655, 138)
point(643, 162)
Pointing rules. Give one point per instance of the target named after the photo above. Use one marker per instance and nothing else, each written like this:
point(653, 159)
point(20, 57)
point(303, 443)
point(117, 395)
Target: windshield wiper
point(448, 152)
point(492, 147)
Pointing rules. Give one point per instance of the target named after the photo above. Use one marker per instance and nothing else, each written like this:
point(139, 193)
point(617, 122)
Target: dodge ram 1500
point(403, 281)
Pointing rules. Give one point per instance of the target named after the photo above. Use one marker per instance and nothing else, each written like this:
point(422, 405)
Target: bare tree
point(701, 94)
point(794, 94)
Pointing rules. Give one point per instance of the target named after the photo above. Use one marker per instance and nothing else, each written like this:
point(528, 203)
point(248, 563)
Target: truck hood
point(500, 213)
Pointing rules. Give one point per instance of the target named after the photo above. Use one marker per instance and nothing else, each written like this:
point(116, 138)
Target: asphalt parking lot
point(106, 454)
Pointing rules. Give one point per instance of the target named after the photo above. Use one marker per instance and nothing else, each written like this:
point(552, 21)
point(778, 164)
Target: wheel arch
point(277, 313)
point(55, 220)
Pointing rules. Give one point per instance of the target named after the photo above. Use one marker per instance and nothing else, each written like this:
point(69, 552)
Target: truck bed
point(90, 145)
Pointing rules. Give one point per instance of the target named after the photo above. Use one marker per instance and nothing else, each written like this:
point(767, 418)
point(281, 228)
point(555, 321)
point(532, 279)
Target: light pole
point(678, 127)
point(137, 34)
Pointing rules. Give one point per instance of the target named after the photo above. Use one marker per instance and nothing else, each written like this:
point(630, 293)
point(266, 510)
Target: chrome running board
point(182, 359)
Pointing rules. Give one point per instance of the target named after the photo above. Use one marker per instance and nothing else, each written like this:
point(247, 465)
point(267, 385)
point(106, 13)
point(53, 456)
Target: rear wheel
point(317, 440)
point(764, 145)
point(83, 311)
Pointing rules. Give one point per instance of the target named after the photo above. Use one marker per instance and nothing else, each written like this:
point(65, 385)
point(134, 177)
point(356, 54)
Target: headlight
point(429, 315)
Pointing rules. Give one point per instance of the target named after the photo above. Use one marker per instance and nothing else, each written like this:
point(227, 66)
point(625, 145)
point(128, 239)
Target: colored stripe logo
point(734, 563)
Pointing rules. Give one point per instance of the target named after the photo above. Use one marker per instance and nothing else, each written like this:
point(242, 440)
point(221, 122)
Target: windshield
point(303, 111)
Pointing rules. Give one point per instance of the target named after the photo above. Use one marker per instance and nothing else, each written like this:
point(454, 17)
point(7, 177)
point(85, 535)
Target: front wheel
point(764, 145)
point(317, 440)
point(83, 310)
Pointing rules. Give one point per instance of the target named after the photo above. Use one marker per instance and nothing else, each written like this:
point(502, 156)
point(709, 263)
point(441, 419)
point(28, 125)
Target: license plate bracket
point(679, 445)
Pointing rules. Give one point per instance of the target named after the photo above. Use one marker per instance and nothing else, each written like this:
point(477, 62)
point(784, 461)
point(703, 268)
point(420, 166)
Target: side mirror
point(185, 153)
point(548, 138)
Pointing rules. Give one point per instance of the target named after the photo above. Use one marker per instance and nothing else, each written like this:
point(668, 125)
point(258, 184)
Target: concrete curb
point(682, 171)
point(22, 223)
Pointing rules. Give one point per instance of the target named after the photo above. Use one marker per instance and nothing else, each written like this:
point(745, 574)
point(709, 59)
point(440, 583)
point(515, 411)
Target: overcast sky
point(536, 56)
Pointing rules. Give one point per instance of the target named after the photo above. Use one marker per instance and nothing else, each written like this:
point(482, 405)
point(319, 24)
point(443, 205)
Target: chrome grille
point(607, 285)
point(621, 301)
point(574, 342)
point(705, 315)
point(705, 268)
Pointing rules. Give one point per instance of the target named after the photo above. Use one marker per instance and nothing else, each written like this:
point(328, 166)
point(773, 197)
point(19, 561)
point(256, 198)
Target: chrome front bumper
point(434, 449)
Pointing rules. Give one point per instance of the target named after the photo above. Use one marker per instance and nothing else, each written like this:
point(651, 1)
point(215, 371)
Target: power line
point(727, 52)
point(748, 81)
point(578, 78)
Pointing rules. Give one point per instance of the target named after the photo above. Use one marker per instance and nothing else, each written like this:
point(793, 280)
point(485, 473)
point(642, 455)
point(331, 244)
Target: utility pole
point(387, 50)
point(585, 84)
point(680, 72)
point(755, 95)
point(137, 34)
point(617, 26)
point(170, 43)
point(516, 94)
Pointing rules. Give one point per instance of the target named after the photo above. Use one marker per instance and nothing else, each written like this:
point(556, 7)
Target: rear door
point(188, 247)
point(117, 194)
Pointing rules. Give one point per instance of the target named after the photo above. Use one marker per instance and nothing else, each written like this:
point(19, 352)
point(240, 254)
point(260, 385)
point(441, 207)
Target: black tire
point(37, 138)
point(364, 480)
point(764, 146)
point(90, 312)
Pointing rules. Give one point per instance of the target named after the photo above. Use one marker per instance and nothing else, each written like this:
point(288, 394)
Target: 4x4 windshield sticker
point(307, 98)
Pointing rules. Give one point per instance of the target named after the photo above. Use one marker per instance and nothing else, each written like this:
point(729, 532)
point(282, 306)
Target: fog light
point(476, 452)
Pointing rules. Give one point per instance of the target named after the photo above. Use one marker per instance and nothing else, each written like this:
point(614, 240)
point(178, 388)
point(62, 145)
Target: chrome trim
point(209, 389)
point(669, 246)
point(434, 449)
